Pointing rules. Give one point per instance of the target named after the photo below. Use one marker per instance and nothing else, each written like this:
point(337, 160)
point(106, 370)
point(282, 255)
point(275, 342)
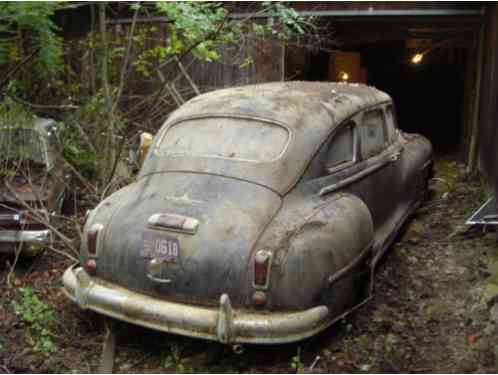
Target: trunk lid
point(202, 263)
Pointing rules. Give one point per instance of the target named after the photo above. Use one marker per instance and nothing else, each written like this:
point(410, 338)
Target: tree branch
point(124, 68)
point(17, 67)
point(42, 106)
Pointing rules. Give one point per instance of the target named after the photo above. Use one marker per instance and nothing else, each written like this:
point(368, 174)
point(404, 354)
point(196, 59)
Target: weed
point(38, 316)
point(174, 360)
point(296, 363)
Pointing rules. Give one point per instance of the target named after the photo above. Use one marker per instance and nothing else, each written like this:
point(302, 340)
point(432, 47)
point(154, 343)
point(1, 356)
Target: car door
point(413, 165)
point(361, 159)
point(380, 156)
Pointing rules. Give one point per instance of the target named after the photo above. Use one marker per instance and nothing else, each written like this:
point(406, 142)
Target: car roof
point(310, 110)
point(286, 101)
point(41, 125)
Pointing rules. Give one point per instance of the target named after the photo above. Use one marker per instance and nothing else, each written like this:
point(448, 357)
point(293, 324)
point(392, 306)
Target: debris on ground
point(435, 309)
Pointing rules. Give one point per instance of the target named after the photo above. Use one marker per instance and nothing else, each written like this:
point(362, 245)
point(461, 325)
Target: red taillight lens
point(90, 266)
point(259, 298)
point(28, 217)
point(92, 238)
point(262, 262)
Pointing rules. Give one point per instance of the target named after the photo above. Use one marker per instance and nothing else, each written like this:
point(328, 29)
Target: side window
point(341, 149)
point(390, 123)
point(372, 133)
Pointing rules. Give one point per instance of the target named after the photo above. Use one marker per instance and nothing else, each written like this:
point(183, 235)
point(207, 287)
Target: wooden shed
point(438, 60)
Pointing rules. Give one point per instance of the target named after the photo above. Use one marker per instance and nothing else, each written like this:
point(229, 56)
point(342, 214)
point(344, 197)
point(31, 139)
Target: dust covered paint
point(285, 242)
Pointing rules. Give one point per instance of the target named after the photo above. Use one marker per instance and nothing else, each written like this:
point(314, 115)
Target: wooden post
point(471, 160)
point(282, 67)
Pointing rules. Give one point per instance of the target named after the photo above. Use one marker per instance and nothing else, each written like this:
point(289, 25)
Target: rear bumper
point(26, 237)
point(222, 324)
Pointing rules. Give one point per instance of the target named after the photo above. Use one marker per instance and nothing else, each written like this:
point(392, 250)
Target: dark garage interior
point(434, 97)
point(428, 96)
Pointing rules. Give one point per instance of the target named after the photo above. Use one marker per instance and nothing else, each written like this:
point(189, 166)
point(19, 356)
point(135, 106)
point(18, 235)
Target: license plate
point(160, 247)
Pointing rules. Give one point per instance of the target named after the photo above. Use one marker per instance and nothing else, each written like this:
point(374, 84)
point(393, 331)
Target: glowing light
point(417, 58)
point(344, 76)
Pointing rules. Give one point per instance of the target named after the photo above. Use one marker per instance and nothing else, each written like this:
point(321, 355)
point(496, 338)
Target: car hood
point(20, 190)
point(231, 216)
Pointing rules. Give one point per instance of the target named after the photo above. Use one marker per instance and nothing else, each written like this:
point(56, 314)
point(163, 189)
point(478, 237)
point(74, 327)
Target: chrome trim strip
point(347, 181)
point(26, 236)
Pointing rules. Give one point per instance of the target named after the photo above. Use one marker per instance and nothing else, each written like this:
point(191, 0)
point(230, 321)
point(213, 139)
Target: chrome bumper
point(221, 324)
point(27, 237)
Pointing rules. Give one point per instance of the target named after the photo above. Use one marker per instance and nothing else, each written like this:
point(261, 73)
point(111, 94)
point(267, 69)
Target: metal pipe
point(374, 12)
point(330, 13)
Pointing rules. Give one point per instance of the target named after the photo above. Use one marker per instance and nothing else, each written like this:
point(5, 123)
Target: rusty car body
point(258, 216)
point(32, 187)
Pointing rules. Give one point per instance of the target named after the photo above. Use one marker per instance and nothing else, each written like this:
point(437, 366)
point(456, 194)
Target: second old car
point(33, 184)
point(258, 216)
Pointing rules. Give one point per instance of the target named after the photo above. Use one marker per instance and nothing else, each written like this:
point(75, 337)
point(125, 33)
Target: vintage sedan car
point(258, 216)
point(32, 184)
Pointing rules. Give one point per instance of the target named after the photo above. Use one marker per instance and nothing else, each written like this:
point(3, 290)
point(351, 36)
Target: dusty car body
point(32, 186)
point(258, 215)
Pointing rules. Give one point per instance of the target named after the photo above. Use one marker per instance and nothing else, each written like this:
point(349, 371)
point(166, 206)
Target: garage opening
point(429, 96)
point(434, 93)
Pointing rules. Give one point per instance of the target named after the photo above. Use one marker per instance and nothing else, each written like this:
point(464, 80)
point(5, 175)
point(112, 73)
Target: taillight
point(27, 216)
point(262, 264)
point(90, 266)
point(31, 217)
point(259, 298)
point(92, 238)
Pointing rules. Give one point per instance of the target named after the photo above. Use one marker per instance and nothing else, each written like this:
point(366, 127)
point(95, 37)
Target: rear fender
point(309, 255)
point(102, 215)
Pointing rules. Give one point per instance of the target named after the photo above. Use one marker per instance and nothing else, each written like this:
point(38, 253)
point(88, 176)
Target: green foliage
point(201, 27)
point(174, 360)
point(296, 362)
point(38, 316)
point(88, 119)
point(30, 23)
point(291, 22)
point(193, 23)
point(13, 114)
point(89, 134)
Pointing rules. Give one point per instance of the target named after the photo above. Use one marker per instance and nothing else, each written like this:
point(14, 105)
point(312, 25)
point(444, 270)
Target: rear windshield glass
point(230, 138)
point(21, 144)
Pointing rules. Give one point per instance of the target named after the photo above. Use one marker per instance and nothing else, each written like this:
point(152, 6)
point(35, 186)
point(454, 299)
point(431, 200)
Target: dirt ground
point(433, 310)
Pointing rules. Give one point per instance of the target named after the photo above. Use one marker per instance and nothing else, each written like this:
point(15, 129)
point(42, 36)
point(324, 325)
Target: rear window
point(21, 144)
point(229, 138)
